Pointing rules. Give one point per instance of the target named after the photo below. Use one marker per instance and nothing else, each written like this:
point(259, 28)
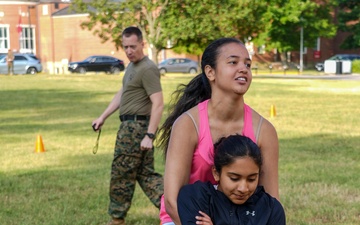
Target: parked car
point(23, 64)
point(97, 63)
point(178, 65)
point(339, 57)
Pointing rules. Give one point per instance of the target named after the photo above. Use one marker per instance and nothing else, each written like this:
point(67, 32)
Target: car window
point(34, 57)
point(20, 58)
point(108, 59)
point(88, 59)
point(95, 59)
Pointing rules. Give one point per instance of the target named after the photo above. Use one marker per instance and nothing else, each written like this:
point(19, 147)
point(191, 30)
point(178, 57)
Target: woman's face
point(238, 180)
point(233, 69)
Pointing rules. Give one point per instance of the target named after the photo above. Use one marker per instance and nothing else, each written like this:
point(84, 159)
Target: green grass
point(317, 123)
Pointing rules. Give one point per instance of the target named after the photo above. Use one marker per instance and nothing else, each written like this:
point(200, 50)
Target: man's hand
point(97, 124)
point(146, 143)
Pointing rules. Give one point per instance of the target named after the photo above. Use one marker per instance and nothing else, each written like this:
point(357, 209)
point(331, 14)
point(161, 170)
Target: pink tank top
point(203, 157)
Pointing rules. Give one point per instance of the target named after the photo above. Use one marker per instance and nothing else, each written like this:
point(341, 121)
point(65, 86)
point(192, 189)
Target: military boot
point(116, 221)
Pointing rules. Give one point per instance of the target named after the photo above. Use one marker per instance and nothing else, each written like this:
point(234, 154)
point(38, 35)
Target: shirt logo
point(250, 213)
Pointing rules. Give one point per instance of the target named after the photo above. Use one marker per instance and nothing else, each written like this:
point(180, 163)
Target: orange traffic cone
point(39, 146)
point(272, 111)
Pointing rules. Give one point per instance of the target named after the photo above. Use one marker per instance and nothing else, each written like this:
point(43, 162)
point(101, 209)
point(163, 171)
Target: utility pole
point(301, 47)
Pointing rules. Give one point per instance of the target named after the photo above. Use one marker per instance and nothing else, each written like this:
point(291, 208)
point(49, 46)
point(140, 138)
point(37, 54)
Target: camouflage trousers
point(130, 164)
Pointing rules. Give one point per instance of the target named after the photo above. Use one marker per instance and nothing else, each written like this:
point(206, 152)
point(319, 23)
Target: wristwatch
point(150, 135)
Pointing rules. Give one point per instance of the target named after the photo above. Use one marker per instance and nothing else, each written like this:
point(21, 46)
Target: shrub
point(356, 66)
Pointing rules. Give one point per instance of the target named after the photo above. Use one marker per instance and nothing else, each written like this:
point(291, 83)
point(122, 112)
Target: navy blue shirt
point(259, 209)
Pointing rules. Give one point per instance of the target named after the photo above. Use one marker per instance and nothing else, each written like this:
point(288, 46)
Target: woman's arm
point(194, 203)
point(269, 145)
point(277, 216)
point(183, 141)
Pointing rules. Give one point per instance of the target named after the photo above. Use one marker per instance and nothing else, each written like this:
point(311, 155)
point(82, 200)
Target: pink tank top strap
point(248, 129)
point(205, 147)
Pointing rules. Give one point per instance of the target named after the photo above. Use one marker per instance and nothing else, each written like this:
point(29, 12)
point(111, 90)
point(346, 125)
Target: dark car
point(97, 63)
point(24, 63)
point(178, 65)
point(339, 57)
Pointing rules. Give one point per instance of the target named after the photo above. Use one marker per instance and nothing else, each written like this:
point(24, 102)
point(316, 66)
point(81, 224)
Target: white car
point(23, 64)
point(178, 65)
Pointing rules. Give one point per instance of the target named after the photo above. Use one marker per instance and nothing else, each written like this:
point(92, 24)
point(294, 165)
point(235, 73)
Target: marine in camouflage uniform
point(140, 104)
point(131, 164)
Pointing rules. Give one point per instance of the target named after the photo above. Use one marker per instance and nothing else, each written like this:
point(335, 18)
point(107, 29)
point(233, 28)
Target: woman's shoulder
point(264, 200)
point(265, 127)
point(197, 190)
point(272, 212)
point(190, 115)
point(199, 186)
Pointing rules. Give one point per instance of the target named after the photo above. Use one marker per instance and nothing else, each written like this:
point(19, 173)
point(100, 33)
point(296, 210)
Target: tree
point(108, 18)
point(288, 16)
point(349, 21)
point(188, 25)
point(192, 25)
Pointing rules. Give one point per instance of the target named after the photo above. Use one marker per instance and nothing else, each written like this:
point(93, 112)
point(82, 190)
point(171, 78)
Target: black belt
point(133, 117)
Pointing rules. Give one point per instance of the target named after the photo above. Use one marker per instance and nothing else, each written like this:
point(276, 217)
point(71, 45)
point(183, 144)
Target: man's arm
point(112, 107)
point(157, 107)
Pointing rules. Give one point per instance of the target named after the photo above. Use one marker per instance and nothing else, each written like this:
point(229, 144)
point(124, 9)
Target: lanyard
point(97, 143)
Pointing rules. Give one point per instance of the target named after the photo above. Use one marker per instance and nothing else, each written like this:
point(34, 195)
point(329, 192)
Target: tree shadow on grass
point(75, 192)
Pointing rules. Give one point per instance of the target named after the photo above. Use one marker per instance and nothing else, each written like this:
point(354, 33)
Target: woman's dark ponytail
point(184, 98)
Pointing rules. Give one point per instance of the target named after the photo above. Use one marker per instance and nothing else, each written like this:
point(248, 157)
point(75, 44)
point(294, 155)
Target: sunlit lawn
point(317, 123)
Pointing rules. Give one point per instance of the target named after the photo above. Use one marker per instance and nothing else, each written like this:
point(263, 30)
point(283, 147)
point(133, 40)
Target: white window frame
point(26, 41)
point(4, 38)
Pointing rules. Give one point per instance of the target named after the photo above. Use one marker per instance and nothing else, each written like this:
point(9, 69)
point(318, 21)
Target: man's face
point(133, 48)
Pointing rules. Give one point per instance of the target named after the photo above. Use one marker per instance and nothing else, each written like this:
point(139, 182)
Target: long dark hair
point(196, 91)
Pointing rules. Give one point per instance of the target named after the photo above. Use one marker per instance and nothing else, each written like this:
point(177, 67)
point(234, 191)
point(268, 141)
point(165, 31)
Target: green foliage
point(192, 25)
point(107, 19)
point(349, 15)
point(355, 66)
point(288, 16)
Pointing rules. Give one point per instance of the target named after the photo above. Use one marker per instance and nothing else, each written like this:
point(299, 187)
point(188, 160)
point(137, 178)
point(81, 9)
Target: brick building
point(50, 30)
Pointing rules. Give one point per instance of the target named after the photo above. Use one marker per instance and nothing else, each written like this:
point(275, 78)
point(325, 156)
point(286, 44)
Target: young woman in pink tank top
point(209, 107)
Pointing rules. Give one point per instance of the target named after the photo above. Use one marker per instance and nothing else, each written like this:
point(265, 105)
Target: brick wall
point(10, 15)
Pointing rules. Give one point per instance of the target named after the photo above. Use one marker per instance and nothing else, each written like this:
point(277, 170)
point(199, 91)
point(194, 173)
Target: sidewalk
point(308, 76)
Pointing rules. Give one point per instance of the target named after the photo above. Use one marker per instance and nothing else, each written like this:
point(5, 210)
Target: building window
point(4, 38)
point(45, 10)
point(27, 40)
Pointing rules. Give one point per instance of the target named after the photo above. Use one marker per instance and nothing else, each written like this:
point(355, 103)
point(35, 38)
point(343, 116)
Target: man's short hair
point(131, 31)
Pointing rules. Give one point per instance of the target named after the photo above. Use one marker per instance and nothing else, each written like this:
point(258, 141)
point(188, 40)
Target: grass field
point(318, 123)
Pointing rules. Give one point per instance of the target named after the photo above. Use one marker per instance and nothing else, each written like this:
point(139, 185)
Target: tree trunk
point(153, 52)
